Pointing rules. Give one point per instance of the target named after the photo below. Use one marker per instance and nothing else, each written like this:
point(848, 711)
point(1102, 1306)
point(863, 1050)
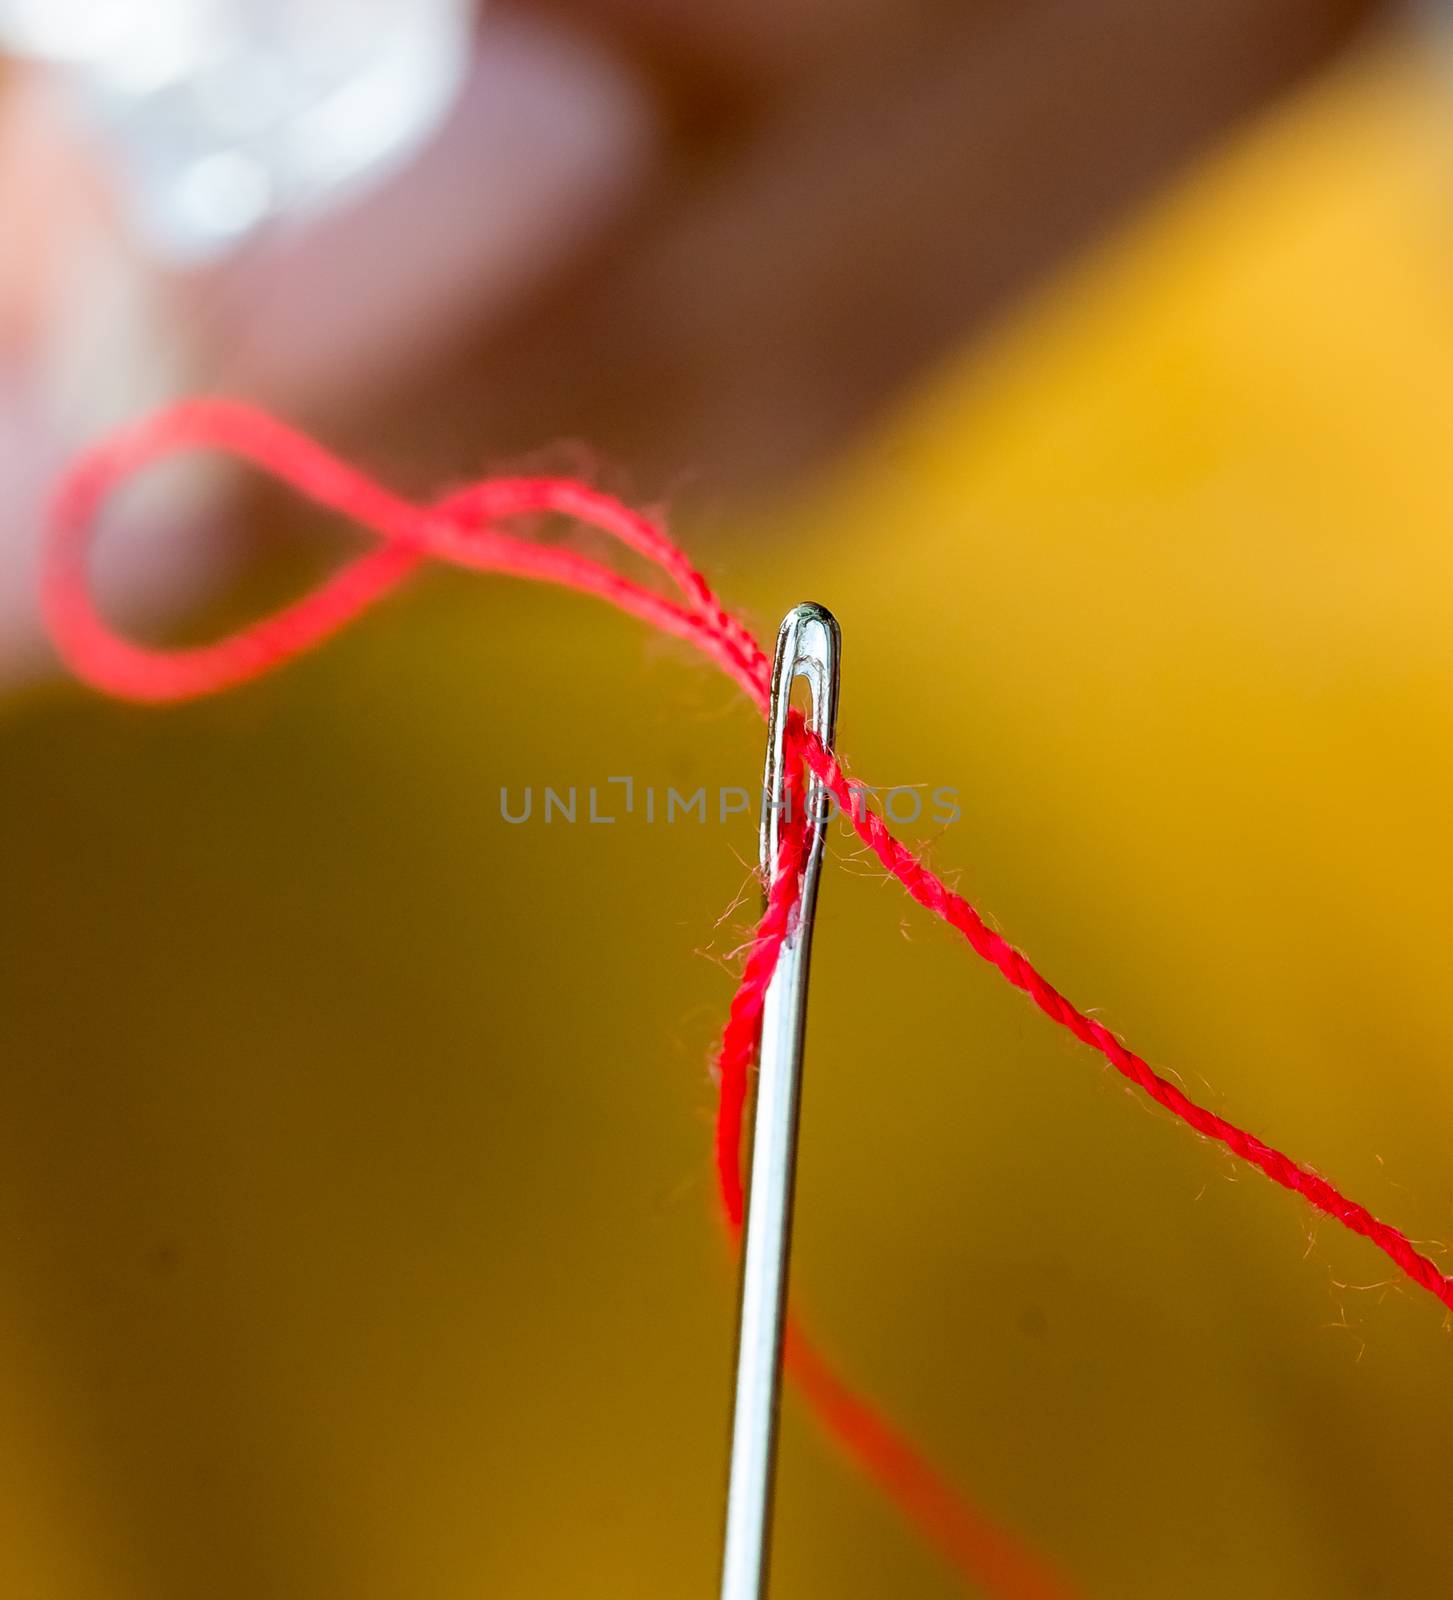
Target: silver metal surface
point(808, 646)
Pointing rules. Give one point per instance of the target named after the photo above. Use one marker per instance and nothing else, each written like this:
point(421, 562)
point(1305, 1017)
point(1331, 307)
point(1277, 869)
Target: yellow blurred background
point(357, 1232)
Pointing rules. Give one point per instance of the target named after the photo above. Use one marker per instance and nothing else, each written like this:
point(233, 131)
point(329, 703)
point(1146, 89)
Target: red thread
point(932, 893)
point(463, 529)
point(970, 1543)
point(739, 1038)
point(458, 529)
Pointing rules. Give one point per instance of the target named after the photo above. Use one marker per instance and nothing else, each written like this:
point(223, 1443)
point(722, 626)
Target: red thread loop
point(462, 529)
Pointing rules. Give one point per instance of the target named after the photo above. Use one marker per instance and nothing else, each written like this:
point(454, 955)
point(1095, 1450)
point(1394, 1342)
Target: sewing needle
point(809, 646)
